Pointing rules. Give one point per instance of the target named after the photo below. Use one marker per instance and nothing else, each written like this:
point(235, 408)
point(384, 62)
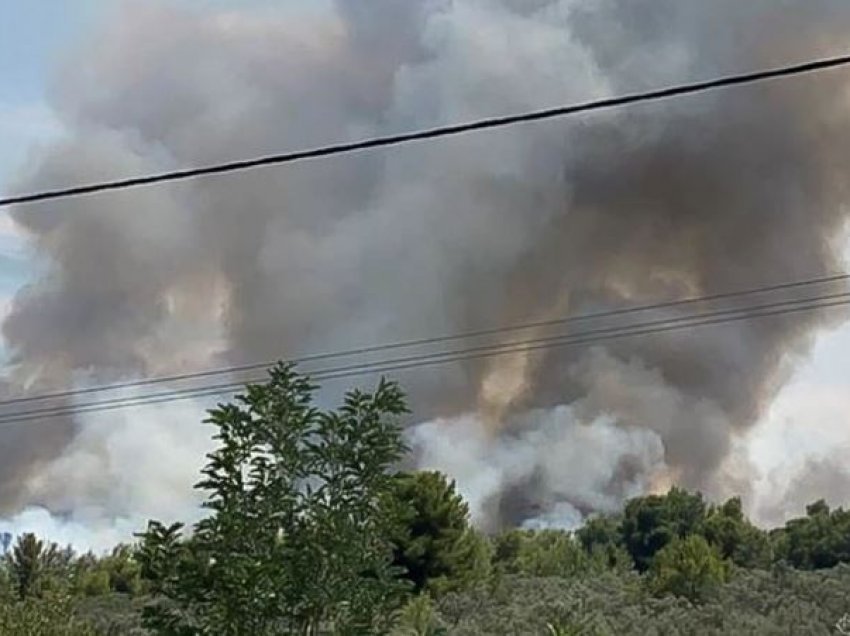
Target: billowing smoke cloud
point(721, 191)
point(556, 466)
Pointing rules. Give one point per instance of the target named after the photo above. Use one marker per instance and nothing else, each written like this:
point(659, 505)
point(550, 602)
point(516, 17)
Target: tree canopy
point(688, 567)
point(297, 532)
point(821, 539)
point(434, 544)
point(650, 523)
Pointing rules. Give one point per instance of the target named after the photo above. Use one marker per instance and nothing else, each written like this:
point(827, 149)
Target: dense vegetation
point(311, 530)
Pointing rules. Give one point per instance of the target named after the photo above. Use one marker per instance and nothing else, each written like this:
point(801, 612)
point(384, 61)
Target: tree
point(688, 567)
point(736, 538)
point(434, 545)
point(819, 540)
point(601, 537)
point(540, 553)
point(35, 566)
point(650, 523)
point(117, 572)
point(26, 564)
point(297, 532)
point(123, 570)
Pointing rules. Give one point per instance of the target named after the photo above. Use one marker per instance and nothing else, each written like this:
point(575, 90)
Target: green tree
point(738, 540)
point(434, 545)
point(94, 582)
point(297, 532)
point(650, 523)
point(506, 549)
point(35, 566)
point(117, 572)
point(123, 570)
point(601, 537)
point(819, 540)
point(688, 567)
point(540, 553)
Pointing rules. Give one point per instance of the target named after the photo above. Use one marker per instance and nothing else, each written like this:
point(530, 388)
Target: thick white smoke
point(569, 466)
point(121, 469)
point(729, 190)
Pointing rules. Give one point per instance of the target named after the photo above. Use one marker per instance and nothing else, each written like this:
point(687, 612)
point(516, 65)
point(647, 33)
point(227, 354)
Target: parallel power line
point(583, 338)
point(434, 340)
point(432, 133)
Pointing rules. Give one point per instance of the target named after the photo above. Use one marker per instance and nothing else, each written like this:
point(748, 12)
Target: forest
point(312, 529)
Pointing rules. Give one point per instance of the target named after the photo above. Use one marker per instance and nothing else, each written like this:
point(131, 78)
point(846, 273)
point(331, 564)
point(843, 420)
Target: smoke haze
point(727, 190)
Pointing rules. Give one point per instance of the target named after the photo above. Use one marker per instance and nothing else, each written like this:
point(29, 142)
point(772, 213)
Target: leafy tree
point(117, 572)
point(506, 549)
point(94, 582)
point(819, 540)
point(35, 566)
point(738, 540)
point(600, 530)
point(650, 523)
point(688, 567)
point(26, 564)
point(297, 535)
point(434, 544)
point(123, 570)
point(602, 539)
point(540, 553)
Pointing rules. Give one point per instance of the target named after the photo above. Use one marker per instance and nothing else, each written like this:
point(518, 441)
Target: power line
point(568, 341)
point(567, 320)
point(583, 338)
point(432, 133)
point(413, 362)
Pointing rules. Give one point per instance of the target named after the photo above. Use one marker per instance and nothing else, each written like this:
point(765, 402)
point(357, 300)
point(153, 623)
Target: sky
point(811, 415)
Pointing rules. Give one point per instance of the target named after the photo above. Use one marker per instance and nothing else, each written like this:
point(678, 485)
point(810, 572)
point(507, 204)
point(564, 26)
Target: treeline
point(311, 530)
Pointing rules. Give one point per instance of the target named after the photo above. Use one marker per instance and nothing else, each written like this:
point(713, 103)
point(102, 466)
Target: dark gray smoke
point(720, 191)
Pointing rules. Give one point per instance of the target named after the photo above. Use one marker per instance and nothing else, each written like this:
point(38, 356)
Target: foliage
point(418, 618)
point(541, 553)
point(309, 532)
point(601, 537)
point(117, 572)
point(650, 523)
point(434, 545)
point(112, 614)
point(51, 615)
point(297, 535)
point(589, 600)
point(689, 567)
point(756, 603)
point(821, 539)
point(738, 540)
point(36, 567)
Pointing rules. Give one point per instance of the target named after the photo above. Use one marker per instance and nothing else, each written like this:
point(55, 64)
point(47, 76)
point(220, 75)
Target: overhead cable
point(446, 338)
point(398, 364)
point(432, 133)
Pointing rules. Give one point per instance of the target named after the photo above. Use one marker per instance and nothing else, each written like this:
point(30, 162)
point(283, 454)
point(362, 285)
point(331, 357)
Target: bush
point(418, 618)
point(49, 616)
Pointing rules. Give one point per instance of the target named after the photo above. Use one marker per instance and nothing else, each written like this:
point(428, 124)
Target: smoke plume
point(725, 190)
